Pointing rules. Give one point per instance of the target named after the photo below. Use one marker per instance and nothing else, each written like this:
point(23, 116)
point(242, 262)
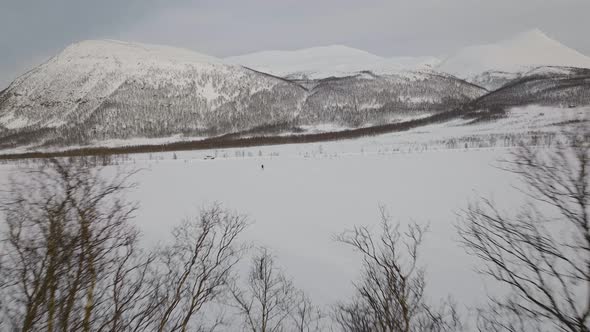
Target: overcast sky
point(31, 31)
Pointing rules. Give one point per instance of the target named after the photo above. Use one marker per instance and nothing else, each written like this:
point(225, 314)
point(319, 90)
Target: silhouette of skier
point(262, 167)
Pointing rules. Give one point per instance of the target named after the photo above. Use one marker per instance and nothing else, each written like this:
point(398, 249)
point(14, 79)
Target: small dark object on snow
point(262, 167)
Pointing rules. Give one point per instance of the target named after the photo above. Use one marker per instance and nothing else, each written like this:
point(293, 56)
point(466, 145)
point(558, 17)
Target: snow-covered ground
point(299, 203)
point(307, 193)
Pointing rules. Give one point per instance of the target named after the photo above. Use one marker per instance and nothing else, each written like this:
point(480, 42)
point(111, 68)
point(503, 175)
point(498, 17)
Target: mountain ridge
point(100, 90)
point(327, 61)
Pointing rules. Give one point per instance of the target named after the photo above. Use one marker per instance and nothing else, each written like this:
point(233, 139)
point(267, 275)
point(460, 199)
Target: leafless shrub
point(270, 301)
point(390, 295)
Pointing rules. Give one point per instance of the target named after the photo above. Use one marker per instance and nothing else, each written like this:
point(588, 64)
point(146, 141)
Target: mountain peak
point(535, 33)
point(131, 52)
point(521, 52)
point(331, 60)
point(534, 38)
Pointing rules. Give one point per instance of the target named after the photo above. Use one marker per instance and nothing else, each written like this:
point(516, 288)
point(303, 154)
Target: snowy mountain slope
point(493, 79)
point(519, 53)
point(80, 77)
point(546, 86)
point(327, 61)
point(366, 98)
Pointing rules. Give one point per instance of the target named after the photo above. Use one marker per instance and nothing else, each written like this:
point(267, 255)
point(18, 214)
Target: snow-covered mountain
point(95, 91)
point(109, 89)
point(517, 54)
point(489, 66)
point(328, 61)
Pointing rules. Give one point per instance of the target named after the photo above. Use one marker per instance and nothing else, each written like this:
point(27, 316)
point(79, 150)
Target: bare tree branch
point(542, 253)
point(390, 296)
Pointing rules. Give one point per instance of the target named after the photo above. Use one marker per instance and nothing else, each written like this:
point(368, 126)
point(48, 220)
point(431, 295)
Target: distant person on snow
point(262, 167)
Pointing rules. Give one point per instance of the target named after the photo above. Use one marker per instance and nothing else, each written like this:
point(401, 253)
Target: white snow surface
point(328, 61)
point(520, 53)
point(297, 204)
point(12, 122)
point(307, 193)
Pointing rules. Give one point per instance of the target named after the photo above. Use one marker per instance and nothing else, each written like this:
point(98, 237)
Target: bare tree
point(390, 296)
point(542, 252)
point(67, 234)
point(132, 291)
point(196, 267)
point(306, 316)
point(70, 258)
point(270, 302)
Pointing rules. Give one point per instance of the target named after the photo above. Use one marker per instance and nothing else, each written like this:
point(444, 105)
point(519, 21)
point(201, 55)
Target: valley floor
point(299, 204)
point(303, 198)
point(307, 193)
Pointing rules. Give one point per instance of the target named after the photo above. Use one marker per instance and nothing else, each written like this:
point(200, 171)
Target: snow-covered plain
point(307, 193)
point(298, 203)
